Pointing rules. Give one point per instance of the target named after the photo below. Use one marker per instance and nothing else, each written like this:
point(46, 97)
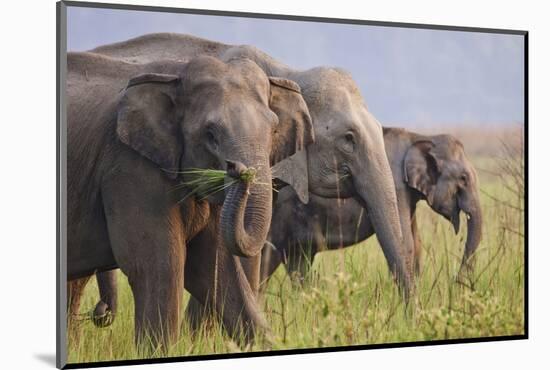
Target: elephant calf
point(431, 168)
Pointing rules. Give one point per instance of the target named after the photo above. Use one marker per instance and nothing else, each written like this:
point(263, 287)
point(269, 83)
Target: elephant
point(347, 159)
point(430, 168)
point(133, 128)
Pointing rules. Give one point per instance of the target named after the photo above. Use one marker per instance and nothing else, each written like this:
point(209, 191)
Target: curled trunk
point(246, 213)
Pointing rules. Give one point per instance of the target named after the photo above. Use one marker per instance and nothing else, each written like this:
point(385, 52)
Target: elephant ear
point(293, 171)
point(421, 169)
point(290, 137)
point(146, 120)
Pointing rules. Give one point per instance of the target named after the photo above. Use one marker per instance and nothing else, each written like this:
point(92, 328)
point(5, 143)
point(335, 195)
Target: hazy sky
point(408, 77)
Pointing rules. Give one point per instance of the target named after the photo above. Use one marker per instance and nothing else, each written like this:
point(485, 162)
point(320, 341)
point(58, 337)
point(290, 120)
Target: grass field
point(351, 299)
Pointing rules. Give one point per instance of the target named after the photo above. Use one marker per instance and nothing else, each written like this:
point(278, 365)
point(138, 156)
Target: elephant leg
point(217, 278)
point(417, 247)
point(148, 244)
point(105, 309)
point(197, 314)
point(75, 289)
point(158, 292)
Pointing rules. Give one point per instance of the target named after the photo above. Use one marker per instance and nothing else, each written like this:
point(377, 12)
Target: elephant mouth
point(455, 220)
point(454, 217)
point(451, 215)
point(344, 184)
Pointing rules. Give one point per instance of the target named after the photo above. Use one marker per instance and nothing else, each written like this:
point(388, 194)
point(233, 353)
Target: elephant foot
point(261, 337)
point(199, 318)
point(102, 316)
point(265, 342)
point(466, 279)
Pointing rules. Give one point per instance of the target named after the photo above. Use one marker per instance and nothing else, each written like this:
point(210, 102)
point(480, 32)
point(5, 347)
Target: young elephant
point(132, 129)
point(431, 168)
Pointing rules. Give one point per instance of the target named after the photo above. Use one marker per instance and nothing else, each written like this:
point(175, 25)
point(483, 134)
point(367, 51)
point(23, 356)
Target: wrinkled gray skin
point(131, 127)
point(348, 157)
point(431, 168)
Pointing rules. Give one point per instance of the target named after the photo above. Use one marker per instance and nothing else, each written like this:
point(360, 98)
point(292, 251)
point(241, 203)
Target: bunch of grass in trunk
point(203, 182)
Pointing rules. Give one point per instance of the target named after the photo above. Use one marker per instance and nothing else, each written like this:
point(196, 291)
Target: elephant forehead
point(328, 85)
point(453, 168)
point(234, 108)
point(335, 105)
point(234, 75)
point(246, 86)
point(449, 148)
point(245, 71)
point(344, 113)
point(325, 78)
point(227, 92)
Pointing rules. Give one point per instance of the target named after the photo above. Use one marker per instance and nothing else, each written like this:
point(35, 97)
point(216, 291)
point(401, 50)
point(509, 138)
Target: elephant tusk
point(271, 245)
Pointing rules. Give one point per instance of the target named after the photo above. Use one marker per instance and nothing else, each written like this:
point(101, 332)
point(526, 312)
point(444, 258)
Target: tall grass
point(356, 302)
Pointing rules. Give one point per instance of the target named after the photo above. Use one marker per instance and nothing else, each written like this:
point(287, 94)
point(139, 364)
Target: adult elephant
point(431, 168)
point(132, 129)
point(348, 157)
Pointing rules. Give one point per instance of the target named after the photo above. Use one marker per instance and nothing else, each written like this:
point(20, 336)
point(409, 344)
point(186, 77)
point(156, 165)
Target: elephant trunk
point(377, 195)
point(474, 235)
point(246, 212)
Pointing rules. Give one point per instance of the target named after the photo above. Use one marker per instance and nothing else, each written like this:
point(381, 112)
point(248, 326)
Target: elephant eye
point(211, 139)
point(210, 136)
point(348, 142)
point(464, 179)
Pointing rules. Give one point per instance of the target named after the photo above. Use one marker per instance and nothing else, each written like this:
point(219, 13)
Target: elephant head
point(219, 115)
point(439, 170)
point(348, 158)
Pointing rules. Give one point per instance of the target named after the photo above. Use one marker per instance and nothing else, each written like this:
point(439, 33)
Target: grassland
point(351, 299)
